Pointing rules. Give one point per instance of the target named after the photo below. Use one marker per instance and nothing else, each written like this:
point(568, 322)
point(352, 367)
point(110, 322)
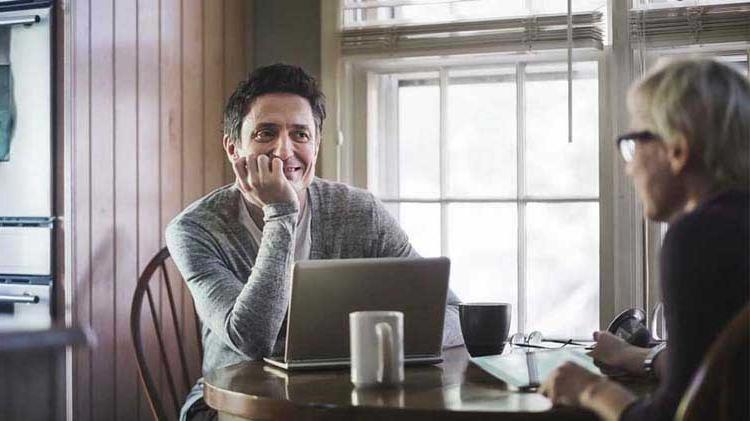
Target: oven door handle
point(20, 20)
point(25, 298)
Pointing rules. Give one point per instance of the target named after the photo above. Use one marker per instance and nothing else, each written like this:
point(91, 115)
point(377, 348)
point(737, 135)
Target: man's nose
point(283, 146)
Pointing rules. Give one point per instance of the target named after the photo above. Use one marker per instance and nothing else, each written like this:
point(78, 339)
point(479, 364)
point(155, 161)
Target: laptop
point(324, 292)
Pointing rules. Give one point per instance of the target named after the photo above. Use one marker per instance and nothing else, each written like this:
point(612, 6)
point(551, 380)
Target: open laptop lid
point(324, 292)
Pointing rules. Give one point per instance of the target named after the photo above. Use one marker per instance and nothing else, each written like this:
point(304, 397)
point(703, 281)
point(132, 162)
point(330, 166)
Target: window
point(475, 163)
point(468, 145)
point(454, 113)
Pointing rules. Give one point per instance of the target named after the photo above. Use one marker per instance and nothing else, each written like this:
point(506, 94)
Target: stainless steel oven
point(26, 165)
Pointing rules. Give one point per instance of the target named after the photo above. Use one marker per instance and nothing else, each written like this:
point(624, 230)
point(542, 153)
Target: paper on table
point(514, 369)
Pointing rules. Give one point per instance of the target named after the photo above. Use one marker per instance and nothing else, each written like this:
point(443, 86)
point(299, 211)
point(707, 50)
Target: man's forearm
point(254, 322)
point(452, 329)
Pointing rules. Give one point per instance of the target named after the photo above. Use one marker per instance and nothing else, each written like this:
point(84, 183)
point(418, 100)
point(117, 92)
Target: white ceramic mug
point(377, 348)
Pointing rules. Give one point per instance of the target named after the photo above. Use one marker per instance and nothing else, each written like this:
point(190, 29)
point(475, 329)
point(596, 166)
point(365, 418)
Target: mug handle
point(386, 352)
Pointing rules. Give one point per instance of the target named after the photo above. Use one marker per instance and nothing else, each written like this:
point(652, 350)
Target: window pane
point(418, 137)
point(482, 242)
point(563, 276)
point(421, 221)
point(481, 144)
point(555, 167)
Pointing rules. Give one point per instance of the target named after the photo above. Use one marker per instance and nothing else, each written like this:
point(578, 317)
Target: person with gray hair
point(687, 155)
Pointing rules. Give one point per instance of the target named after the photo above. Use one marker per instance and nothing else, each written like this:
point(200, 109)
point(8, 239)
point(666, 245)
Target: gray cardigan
point(241, 292)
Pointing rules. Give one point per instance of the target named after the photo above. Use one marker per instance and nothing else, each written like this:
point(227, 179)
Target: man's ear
point(230, 148)
point(678, 153)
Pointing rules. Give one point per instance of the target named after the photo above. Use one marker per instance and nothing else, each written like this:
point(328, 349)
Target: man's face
point(282, 125)
point(660, 190)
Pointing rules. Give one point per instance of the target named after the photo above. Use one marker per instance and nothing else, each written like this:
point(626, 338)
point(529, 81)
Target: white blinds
point(682, 26)
point(520, 33)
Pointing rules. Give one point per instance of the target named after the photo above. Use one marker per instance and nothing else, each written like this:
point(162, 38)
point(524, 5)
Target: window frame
point(521, 199)
point(362, 98)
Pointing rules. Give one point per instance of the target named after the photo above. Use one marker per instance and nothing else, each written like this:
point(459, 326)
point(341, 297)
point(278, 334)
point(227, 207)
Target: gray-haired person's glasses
point(626, 142)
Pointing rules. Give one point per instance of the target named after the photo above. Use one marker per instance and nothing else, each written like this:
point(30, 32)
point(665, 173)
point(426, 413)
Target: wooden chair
point(149, 280)
point(719, 389)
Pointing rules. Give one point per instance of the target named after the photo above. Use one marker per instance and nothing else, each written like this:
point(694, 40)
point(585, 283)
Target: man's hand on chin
point(262, 181)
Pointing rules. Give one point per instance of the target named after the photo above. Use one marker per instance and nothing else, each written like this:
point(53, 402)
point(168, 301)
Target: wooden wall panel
point(149, 153)
point(234, 59)
point(213, 96)
point(80, 142)
point(149, 80)
point(126, 200)
point(171, 154)
point(102, 207)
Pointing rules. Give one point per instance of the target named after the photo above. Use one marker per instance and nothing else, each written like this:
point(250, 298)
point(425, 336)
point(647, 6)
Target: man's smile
point(290, 169)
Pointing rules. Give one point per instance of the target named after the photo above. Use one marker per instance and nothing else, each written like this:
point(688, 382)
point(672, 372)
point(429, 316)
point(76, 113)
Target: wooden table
point(453, 390)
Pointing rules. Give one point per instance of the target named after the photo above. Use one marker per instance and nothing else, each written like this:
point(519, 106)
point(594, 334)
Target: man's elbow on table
point(252, 346)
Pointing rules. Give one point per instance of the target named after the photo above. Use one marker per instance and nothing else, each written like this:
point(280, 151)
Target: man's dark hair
point(276, 78)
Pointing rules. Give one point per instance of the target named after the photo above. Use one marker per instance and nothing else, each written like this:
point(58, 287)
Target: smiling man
point(235, 247)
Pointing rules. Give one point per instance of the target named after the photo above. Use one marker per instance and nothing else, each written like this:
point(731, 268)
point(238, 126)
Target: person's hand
point(566, 384)
point(262, 180)
point(612, 354)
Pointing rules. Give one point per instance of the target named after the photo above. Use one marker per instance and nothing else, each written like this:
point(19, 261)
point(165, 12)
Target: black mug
point(485, 327)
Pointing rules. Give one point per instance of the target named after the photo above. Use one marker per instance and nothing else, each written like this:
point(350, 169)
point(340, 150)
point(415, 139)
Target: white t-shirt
point(302, 242)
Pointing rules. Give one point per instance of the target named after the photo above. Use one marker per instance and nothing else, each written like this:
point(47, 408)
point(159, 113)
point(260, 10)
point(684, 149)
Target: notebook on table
point(526, 370)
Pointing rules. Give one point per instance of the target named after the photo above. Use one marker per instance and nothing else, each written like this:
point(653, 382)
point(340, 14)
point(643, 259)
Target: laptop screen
point(324, 292)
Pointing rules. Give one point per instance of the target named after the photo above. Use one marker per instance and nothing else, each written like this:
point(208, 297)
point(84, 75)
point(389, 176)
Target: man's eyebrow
point(266, 126)
point(300, 126)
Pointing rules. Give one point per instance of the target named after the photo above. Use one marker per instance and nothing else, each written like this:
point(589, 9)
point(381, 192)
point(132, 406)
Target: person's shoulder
point(723, 218)
point(333, 193)
point(728, 209)
point(210, 211)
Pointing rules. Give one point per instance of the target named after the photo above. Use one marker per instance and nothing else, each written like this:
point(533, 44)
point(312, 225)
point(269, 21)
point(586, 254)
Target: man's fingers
point(253, 167)
point(240, 170)
point(277, 168)
point(262, 180)
point(264, 169)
